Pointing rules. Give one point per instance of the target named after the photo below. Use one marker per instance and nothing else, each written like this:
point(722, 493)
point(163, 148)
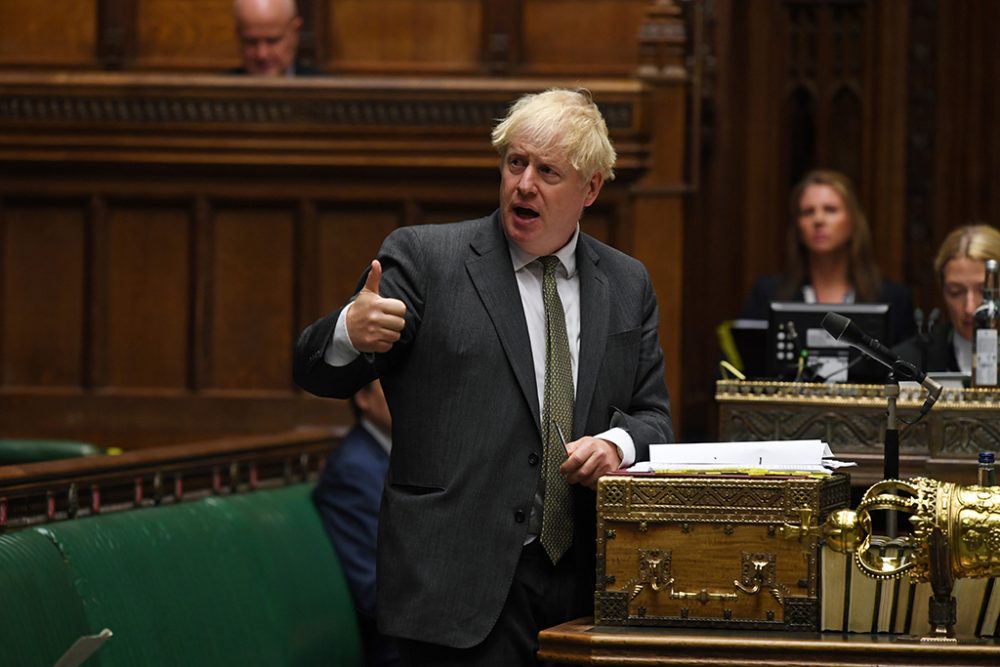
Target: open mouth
point(523, 212)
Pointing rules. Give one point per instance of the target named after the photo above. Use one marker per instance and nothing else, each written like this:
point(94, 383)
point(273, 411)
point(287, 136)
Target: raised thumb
point(374, 277)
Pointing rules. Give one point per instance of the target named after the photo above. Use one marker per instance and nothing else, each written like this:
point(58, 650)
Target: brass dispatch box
point(710, 550)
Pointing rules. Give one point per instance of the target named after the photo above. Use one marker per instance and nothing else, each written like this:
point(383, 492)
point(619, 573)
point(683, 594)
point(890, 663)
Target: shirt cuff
point(339, 350)
point(620, 438)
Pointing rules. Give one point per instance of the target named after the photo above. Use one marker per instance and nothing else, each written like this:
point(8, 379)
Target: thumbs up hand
point(374, 323)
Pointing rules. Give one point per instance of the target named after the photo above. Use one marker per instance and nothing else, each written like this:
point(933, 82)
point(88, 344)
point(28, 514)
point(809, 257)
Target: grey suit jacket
point(467, 442)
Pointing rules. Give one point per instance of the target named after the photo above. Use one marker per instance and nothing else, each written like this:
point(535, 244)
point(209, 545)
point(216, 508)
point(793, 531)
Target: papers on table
point(774, 456)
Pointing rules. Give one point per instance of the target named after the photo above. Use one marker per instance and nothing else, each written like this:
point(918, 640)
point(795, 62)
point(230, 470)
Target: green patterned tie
point(557, 515)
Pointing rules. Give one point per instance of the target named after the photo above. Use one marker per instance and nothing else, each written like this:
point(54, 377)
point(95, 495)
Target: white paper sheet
point(808, 456)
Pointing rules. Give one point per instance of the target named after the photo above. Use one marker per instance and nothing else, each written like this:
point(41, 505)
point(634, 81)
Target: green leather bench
point(246, 579)
point(28, 450)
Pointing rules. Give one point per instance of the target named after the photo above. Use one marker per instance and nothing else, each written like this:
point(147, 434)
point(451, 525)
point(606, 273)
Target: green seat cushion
point(238, 580)
point(41, 614)
point(28, 451)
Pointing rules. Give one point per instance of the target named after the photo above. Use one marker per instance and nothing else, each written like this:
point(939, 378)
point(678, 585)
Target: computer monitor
point(795, 333)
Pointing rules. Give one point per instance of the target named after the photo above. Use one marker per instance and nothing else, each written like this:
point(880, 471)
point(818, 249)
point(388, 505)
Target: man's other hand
point(589, 458)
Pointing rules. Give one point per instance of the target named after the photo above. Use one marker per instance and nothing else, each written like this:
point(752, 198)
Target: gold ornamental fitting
point(968, 518)
point(845, 530)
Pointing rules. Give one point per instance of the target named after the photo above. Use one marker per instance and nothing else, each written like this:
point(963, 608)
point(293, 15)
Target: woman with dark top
point(829, 257)
point(960, 265)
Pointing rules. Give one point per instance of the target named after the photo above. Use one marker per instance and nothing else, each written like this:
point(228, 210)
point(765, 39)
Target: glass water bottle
point(987, 472)
point(984, 332)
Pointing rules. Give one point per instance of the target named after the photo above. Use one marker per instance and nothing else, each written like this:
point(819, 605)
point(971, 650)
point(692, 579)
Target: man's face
point(542, 197)
point(269, 41)
point(963, 279)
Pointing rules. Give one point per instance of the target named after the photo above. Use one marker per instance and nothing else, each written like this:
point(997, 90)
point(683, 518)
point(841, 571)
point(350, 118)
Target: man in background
point(348, 496)
point(268, 32)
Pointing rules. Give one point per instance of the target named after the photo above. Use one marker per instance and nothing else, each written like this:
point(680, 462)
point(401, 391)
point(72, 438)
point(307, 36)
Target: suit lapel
point(492, 275)
point(593, 330)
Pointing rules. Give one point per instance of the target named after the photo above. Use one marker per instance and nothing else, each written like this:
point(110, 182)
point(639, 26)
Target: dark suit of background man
point(268, 33)
point(347, 496)
point(451, 318)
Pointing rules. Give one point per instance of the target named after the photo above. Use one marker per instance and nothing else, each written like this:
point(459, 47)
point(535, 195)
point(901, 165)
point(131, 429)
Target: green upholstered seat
point(41, 614)
point(249, 579)
point(15, 450)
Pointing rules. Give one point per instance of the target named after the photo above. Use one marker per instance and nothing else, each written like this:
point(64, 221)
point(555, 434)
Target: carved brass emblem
point(757, 573)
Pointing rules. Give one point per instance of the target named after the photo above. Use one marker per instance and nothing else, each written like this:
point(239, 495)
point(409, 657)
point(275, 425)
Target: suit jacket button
point(519, 516)
point(533, 458)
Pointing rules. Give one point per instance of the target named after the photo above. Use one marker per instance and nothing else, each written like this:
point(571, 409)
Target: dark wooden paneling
point(116, 39)
point(592, 37)
point(967, 141)
point(44, 295)
point(216, 216)
point(348, 240)
point(251, 315)
point(149, 297)
point(405, 36)
point(185, 35)
point(55, 33)
point(522, 37)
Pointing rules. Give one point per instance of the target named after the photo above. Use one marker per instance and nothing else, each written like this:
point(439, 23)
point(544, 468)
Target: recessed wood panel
point(185, 34)
point(598, 223)
point(251, 299)
point(348, 241)
point(149, 298)
point(587, 36)
point(443, 35)
point(43, 296)
point(53, 32)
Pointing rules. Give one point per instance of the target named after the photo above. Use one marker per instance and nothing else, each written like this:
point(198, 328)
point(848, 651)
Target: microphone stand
point(890, 451)
point(844, 330)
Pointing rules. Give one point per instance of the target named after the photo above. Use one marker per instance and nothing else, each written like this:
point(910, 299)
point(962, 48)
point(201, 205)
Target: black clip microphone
point(844, 330)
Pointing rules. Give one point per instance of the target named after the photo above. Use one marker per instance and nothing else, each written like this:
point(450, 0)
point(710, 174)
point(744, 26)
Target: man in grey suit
point(453, 320)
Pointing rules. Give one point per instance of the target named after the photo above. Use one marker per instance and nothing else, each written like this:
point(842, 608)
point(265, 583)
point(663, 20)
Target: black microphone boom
point(846, 331)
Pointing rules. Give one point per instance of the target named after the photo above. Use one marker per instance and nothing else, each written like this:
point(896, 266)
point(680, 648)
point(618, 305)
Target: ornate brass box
point(711, 550)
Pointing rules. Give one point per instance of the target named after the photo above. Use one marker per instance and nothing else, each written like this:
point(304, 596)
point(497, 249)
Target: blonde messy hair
point(564, 120)
point(976, 241)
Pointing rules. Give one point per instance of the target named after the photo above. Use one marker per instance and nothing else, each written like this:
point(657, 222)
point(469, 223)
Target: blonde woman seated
point(960, 265)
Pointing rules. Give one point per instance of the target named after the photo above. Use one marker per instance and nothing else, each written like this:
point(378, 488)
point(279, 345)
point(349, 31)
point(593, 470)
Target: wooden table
point(581, 642)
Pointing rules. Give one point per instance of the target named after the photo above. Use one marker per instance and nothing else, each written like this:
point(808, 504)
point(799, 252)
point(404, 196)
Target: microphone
point(918, 318)
point(844, 330)
point(933, 318)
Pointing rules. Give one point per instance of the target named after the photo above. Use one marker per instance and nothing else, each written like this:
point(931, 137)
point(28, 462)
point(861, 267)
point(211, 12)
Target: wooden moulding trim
point(325, 121)
point(71, 488)
point(323, 105)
